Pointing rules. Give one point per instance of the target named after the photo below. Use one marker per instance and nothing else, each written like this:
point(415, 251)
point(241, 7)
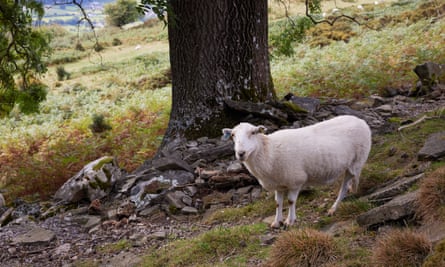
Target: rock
point(399, 208)
point(235, 167)
point(6, 217)
point(268, 239)
point(123, 259)
point(62, 249)
point(26, 209)
point(171, 163)
point(385, 110)
point(160, 235)
point(189, 210)
point(126, 209)
point(212, 153)
point(175, 199)
point(261, 110)
point(307, 103)
point(390, 191)
point(429, 74)
point(94, 181)
point(434, 147)
point(35, 236)
point(148, 211)
point(95, 207)
point(190, 190)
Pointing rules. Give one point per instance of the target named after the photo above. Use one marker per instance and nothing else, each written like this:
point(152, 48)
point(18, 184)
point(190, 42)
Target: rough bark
point(218, 51)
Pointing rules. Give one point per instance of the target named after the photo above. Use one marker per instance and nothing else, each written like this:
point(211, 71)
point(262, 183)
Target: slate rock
point(94, 181)
point(434, 147)
point(399, 208)
point(175, 199)
point(430, 73)
point(387, 193)
point(36, 235)
point(171, 163)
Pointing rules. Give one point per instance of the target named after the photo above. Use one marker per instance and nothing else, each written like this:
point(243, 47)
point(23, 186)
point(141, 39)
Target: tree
point(122, 12)
point(218, 51)
point(22, 53)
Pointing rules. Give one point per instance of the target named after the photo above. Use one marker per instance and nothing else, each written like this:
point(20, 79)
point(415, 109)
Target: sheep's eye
point(232, 136)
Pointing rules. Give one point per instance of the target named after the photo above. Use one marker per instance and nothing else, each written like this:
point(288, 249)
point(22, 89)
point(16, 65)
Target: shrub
point(432, 196)
point(99, 124)
point(62, 73)
point(116, 42)
point(79, 47)
point(303, 247)
point(401, 248)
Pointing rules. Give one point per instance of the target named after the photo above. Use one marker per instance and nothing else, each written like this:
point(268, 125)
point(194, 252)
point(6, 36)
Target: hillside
point(344, 69)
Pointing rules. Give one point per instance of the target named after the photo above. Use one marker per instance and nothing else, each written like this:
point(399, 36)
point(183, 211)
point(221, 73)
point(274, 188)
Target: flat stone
point(35, 236)
point(160, 235)
point(388, 192)
point(171, 163)
point(123, 259)
point(189, 210)
point(400, 207)
point(434, 147)
point(175, 199)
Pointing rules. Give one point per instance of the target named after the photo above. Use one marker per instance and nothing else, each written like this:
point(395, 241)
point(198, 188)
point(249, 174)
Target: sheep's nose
point(241, 154)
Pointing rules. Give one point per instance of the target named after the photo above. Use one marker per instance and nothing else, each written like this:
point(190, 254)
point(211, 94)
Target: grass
point(232, 246)
point(303, 247)
point(401, 248)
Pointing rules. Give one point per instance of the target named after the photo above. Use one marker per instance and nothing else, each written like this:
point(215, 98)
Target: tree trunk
point(218, 51)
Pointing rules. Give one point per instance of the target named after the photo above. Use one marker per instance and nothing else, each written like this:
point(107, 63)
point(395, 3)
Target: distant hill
point(56, 12)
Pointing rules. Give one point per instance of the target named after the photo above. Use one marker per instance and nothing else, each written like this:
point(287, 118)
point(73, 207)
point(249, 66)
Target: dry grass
point(432, 196)
point(401, 248)
point(303, 247)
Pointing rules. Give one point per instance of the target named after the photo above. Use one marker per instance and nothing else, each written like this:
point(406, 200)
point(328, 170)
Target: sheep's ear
point(227, 133)
point(261, 129)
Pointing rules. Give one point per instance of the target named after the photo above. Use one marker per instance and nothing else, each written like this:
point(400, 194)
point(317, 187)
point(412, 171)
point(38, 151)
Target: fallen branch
point(424, 117)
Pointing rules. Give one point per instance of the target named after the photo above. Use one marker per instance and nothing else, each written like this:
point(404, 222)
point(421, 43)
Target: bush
point(62, 73)
point(79, 47)
point(303, 247)
point(99, 124)
point(122, 12)
point(116, 42)
point(401, 248)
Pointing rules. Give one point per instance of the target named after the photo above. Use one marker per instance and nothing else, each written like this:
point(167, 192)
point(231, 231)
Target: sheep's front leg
point(279, 209)
point(292, 196)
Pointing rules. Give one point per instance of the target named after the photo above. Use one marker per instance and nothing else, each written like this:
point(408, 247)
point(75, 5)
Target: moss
point(102, 162)
point(437, 258)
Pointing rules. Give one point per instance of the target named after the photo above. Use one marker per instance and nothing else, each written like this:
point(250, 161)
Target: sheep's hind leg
point(279, 209)
point(341, 195)
point(292, 196)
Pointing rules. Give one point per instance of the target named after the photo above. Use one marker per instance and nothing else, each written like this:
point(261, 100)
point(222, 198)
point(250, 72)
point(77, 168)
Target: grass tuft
point(431, 201)
point(400, 248)
point(303, 247)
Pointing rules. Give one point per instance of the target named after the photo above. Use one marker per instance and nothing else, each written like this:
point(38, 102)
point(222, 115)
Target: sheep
point(291, 159)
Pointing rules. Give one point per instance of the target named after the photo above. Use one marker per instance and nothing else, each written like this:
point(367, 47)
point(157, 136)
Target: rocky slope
point(110, 217)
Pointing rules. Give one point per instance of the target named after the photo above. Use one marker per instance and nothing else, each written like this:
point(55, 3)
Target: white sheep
point(288, 160)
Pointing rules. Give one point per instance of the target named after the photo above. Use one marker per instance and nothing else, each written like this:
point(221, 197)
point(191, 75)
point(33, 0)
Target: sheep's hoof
point(276, 224)
point(331, 212)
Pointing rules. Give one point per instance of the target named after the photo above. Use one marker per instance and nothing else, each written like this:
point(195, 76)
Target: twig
point(424, 117)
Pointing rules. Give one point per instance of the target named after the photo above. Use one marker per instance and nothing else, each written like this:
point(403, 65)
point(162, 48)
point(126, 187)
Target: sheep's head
point(245, 137)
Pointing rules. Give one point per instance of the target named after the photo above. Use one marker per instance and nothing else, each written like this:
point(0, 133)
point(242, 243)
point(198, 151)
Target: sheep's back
point(319, 154)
